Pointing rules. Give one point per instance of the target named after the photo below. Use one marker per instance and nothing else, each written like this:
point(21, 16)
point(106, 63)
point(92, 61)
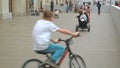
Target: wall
point(115, 13)
point(0, 9)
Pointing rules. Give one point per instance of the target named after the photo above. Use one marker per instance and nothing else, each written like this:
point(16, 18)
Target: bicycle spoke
point(73, 64)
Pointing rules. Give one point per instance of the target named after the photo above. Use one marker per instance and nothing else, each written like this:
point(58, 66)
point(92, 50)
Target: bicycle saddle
point(38, 52)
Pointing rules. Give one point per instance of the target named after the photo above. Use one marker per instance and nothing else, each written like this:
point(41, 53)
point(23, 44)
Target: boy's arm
point(67, 32)
point(64, 31)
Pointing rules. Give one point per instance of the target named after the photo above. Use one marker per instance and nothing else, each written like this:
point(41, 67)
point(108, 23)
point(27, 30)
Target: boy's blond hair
point(47, 14)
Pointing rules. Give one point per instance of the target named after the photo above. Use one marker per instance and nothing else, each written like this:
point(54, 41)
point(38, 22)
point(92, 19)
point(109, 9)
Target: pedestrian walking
point(70, 5)
point(87, 12)
point(76, 7)
point(99, 7)
point(52, 5)
point(67, 8)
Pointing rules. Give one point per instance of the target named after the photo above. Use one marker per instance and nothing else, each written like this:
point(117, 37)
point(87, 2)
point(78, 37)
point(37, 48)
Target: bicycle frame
point(67, 50)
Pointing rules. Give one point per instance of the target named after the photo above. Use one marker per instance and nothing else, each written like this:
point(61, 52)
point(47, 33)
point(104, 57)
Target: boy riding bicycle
point(42, 41)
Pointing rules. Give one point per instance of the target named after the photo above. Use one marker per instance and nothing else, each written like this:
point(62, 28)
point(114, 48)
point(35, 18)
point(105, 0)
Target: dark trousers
point(52, 8)
point(98, 10)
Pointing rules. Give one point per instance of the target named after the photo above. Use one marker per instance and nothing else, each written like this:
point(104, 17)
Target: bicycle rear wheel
point(77, 61)
point(32, 63)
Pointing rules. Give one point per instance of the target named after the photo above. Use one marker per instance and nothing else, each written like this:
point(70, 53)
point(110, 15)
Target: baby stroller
point(82, 22)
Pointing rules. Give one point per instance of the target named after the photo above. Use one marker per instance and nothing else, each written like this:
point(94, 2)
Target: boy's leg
point(56, 50)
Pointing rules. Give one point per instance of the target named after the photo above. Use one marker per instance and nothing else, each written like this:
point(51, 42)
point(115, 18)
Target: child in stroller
point(82, 20)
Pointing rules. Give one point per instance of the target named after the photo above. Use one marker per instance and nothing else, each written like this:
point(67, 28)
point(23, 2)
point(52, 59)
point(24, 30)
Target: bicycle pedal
point(47, 65)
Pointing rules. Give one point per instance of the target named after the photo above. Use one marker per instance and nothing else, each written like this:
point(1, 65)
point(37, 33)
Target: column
point(35, 4)
point(20, 7)
point(5, 9)
point(28, 5)
point(43, 1)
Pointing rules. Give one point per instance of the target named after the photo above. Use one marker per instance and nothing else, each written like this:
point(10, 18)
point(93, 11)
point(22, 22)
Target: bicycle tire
point(32, 63)
point(77, 61)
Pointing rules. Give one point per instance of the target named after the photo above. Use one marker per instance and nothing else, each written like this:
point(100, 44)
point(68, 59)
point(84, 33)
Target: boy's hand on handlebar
point(55, 40)
point(76, 34)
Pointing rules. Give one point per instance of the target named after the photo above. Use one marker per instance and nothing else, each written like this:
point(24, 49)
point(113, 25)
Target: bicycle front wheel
point(32, 63)
point(77, 61)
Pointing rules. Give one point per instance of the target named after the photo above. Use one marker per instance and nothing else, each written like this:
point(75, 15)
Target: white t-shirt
point(83, 16)
point(42, 34)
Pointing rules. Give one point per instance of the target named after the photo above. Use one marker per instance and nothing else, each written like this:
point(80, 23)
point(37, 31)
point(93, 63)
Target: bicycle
point(76, 61)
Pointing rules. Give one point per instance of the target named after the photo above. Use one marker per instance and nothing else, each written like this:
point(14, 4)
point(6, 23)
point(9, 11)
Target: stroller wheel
point(77, 27)
point(88, 26)
point(88, 29)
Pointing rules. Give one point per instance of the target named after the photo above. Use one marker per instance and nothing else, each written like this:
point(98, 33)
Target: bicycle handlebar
point(67, 40)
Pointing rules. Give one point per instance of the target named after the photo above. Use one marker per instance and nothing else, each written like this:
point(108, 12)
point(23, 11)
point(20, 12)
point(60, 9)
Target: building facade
point(13, 8)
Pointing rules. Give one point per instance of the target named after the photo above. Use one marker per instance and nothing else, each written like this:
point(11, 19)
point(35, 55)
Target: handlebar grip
point(78, 35)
